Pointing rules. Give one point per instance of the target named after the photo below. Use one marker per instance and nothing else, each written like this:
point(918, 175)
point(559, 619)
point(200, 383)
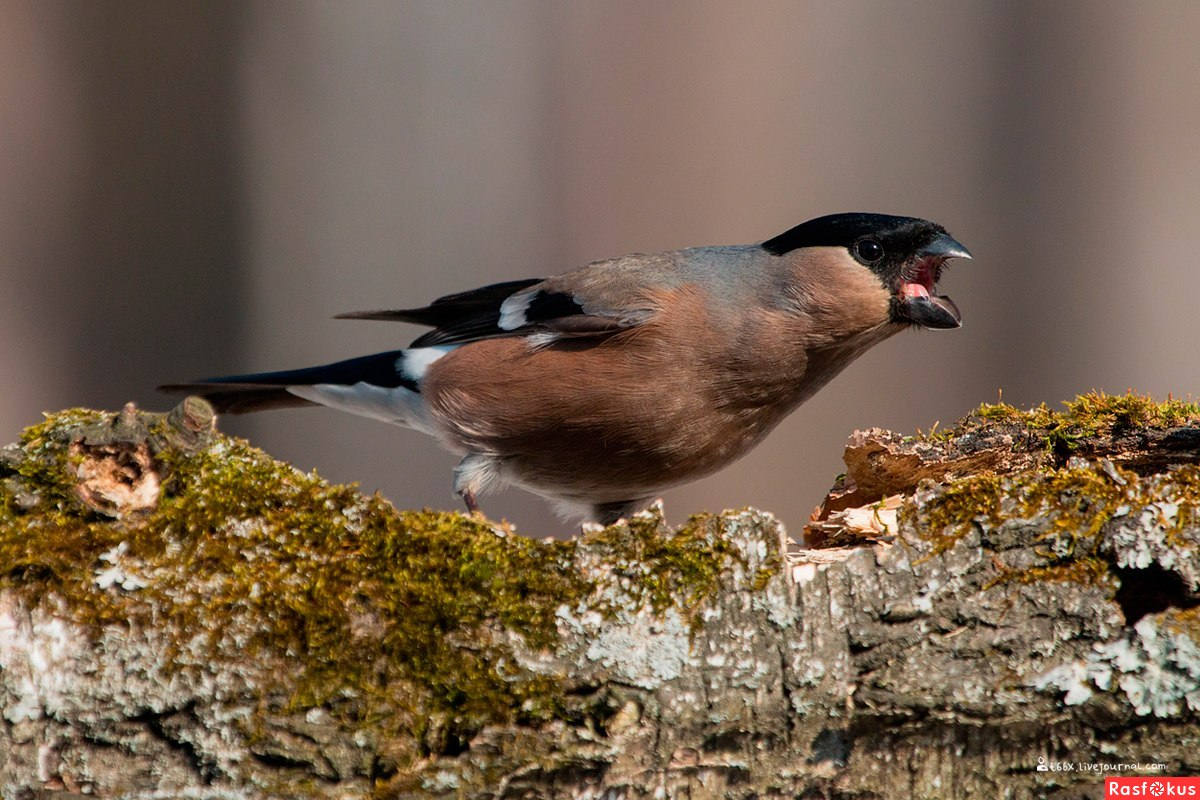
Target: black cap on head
point(905, 234)
point(906, 253)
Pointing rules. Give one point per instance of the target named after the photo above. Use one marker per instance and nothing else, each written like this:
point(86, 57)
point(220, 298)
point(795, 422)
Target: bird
point(600, 387)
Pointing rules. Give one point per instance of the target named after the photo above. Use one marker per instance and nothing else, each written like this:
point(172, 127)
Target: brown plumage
point(601, 387)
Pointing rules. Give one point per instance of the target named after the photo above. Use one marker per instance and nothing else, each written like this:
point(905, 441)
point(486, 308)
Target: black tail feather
point(240, 394)
point(234, 399)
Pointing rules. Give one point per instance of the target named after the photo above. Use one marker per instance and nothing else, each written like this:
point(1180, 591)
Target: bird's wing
point(597, 300)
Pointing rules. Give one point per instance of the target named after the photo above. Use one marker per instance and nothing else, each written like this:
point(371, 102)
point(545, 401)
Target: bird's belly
point(584, 465)
point(587, 421)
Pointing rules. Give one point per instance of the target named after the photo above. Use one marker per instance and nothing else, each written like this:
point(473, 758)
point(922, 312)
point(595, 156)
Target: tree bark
point(182, 616)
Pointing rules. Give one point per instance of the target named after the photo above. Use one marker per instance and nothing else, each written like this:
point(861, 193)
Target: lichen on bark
point(181, 614)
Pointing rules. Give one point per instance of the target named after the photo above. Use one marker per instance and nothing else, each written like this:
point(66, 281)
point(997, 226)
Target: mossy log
point(180, 615)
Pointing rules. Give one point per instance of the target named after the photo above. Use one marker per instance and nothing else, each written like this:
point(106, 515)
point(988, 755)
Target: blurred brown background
point(189, 189)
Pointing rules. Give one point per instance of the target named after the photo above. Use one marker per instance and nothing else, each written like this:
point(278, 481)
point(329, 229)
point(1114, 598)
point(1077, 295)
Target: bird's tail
point(384, 386)
point(239, 398)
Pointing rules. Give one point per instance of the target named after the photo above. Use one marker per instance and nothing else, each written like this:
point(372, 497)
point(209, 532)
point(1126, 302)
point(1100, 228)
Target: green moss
point(1186, 491)
point(1185, 621)
point(47, 460)
point(681, 570)
point(948, 517)
point(1100, 412)
point(1096, 413)
point(57, 425)
point(401, 611)
point(1091, 415)
point(1003, 412)
point(936, 433)
point(43, 547)
point(764, 574)
point(1089, 570)
point(1077, 502)
point(407, 617)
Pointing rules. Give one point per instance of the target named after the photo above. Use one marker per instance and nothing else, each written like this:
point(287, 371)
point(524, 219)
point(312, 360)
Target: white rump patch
point(512, 311)
point(416, 360)
point(397, 405)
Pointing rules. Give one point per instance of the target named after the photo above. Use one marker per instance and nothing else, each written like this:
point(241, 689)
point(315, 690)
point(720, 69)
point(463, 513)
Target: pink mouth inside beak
point(921, 284)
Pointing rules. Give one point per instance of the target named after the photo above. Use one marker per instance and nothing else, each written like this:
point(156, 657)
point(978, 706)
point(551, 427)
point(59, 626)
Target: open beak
point(946, 246)
point(917, 301)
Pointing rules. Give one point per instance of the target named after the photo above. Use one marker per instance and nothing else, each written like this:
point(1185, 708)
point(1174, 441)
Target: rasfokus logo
point(1151, 787)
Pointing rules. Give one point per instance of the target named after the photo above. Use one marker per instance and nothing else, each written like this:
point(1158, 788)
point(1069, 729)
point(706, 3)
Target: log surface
point(182, 616)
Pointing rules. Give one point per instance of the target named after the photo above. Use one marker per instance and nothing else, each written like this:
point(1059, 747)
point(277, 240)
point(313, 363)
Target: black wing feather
point(456, 318)
point(451, 309)
point(474, 315)
point(467, 329)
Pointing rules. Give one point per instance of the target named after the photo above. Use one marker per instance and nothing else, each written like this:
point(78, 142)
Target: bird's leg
point(468, 497)
point(473, 475)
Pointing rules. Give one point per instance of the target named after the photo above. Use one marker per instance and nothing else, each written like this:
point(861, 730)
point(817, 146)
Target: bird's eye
point(868, 250)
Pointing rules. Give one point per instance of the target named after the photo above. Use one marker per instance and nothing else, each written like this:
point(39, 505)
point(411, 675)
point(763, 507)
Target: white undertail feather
point(478, 473)
point(397, 405)
point(484, 473)
point(567, 510)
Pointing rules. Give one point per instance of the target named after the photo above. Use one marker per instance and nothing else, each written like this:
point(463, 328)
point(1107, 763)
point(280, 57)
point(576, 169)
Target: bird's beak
point(932, 311)
point(946, 246)
point(917, 302)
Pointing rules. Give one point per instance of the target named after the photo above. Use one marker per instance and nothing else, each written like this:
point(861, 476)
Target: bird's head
point(906, 254)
